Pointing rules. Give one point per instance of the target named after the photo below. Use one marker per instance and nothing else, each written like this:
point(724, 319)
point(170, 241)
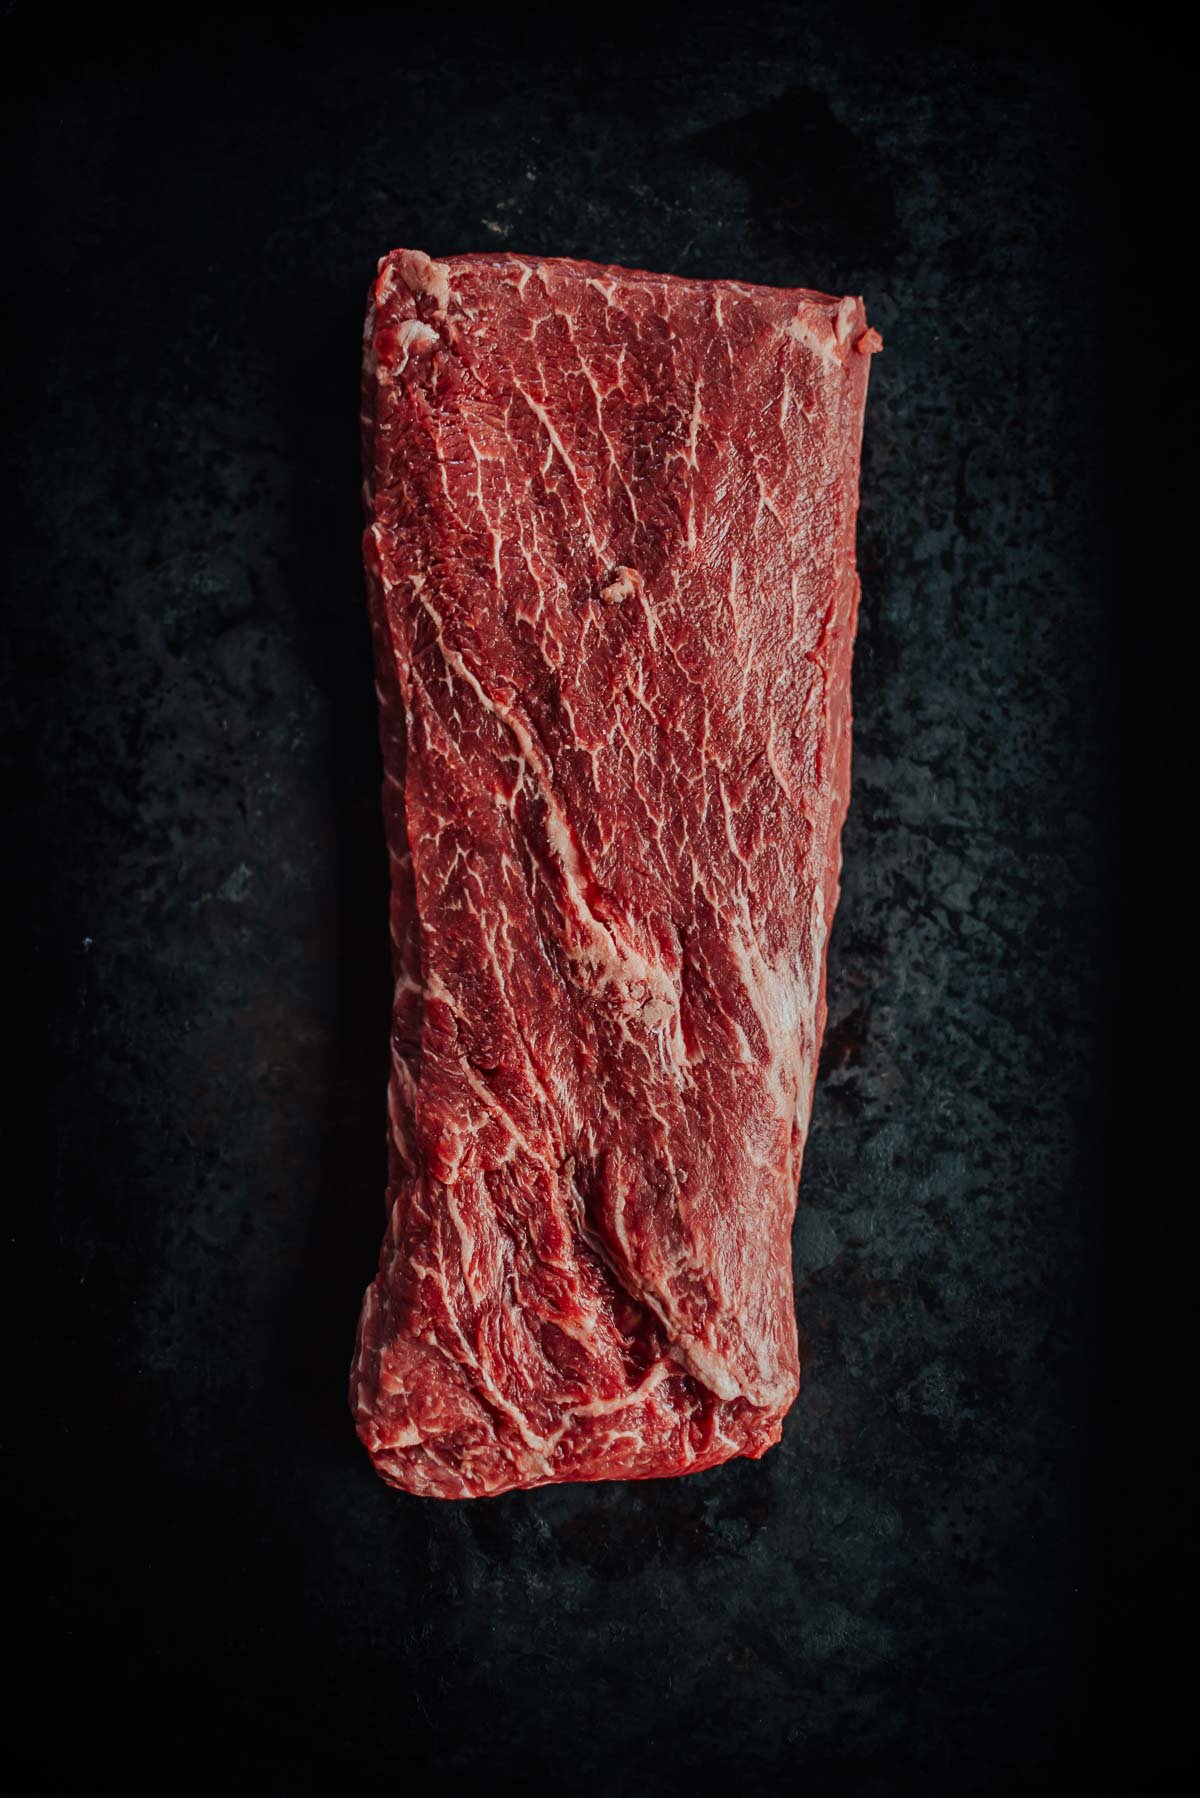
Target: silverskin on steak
point(610, 564)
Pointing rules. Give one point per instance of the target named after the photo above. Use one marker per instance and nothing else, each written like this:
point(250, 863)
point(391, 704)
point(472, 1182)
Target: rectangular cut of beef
point(610, 562)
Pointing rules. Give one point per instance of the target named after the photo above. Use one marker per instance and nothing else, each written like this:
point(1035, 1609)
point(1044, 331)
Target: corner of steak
point(610, 563)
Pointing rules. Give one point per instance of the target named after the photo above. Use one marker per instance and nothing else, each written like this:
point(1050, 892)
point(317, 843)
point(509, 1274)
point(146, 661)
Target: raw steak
point(610, 559)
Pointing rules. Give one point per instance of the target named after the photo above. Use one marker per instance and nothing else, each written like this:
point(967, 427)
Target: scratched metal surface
point(890, 1601)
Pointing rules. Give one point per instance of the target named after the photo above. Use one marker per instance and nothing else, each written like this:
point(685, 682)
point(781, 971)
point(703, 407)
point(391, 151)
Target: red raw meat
point(610, 559)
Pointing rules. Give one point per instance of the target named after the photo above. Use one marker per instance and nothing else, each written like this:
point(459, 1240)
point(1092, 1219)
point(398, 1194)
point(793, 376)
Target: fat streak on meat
point(610, 564)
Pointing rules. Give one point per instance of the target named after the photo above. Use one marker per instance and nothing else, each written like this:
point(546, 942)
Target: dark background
point(926, 1588)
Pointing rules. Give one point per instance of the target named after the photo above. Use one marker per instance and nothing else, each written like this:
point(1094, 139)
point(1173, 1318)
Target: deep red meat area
point(610, 564)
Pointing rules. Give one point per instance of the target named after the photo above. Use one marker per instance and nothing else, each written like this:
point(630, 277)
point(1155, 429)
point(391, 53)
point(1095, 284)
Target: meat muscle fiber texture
point(610, 564)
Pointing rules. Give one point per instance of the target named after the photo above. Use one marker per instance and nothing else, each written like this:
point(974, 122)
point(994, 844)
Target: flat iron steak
point(610, 565)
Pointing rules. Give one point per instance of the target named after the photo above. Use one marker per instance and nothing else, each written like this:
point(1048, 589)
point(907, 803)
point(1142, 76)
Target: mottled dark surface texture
point(896, 1600)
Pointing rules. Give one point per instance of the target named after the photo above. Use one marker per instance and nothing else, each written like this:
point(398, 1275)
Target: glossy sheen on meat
point(610, 562)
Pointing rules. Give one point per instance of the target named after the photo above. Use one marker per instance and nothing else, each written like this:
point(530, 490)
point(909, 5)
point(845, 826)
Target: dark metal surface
point(891, 1601)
